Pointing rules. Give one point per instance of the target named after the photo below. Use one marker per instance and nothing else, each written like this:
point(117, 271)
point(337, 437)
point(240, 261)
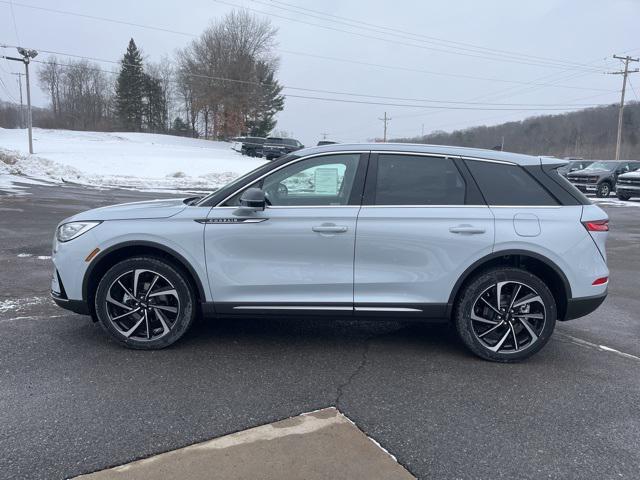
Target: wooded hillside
point(589, 133)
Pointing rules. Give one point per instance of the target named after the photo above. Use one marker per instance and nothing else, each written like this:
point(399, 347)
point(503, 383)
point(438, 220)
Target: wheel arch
point(110, 256)
point(533, 262)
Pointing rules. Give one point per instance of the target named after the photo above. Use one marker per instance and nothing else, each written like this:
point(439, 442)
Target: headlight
point(71, 230)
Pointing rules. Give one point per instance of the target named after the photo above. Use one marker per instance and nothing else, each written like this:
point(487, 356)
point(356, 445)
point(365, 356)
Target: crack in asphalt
point(361, 366)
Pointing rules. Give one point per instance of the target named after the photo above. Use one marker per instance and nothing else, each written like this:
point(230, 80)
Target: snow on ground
point(614, 202)
point(130, 160)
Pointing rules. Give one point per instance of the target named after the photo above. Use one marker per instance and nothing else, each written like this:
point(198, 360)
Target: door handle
point(467, 229)
point(330, 228)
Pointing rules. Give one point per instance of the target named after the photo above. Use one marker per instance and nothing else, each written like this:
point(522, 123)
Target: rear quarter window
point(506, 185)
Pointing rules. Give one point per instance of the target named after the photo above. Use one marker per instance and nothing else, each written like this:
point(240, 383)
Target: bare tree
point(222, 71)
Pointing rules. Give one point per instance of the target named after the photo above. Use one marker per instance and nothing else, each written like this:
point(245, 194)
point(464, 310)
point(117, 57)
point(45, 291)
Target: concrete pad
point(318, 445)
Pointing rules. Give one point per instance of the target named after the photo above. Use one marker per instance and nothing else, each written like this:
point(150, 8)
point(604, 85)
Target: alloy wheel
point(508, 317)
point(142, 304)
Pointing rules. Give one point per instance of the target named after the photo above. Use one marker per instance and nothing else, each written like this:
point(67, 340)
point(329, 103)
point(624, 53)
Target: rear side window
point(418, 180)
point(508, 185)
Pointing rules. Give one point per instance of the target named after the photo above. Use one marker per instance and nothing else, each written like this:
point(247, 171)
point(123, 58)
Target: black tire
point(170, 291)
point(623, 197)
point(603, 190)
point(485, 285)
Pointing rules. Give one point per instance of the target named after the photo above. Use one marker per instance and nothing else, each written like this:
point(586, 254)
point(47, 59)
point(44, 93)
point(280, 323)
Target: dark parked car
point(326, 142)
point(628, 185)
point(574, 165)
point(601, 176)
point(275, 147)
point(252, 146)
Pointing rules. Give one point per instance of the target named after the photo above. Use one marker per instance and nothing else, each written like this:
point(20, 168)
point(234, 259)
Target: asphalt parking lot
point(72, 401)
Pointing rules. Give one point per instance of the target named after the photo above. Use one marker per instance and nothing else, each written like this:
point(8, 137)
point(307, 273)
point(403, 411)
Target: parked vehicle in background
point(496, 243)
point(252, 146)
point(326, 142)
point(628, 185)
point(574, 165)
point(236, 144)
point(601, 176)
point(275, 147)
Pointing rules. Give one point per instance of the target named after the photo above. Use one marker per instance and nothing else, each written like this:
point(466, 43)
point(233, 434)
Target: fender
point(526, 253)
point(140, 243)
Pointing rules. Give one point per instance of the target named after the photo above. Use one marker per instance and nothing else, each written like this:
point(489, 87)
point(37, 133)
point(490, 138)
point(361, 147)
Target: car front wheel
point(603, 190)
point(145, 303)
point(505, 315)
point(623, 197)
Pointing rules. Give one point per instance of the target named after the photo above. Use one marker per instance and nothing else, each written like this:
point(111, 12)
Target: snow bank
point(131, 160)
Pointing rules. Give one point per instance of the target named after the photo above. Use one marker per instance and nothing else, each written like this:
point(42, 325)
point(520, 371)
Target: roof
point(517, 158)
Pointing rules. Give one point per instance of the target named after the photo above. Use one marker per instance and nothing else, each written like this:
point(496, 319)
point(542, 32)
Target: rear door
point(422, 223)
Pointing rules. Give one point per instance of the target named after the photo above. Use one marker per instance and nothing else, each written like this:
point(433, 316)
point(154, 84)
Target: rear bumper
point(579, 307)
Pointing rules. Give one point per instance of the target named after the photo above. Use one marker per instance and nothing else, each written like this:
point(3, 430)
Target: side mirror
point(251, 201)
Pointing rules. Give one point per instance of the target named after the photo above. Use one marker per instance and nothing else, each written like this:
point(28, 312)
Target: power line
point(96, 17)
point(331, 92)
point(408, 35)
point(538, 64)
point(394, 67)
point(15, 25)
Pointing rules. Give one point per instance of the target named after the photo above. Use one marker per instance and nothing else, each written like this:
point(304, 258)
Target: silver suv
point(499, 244)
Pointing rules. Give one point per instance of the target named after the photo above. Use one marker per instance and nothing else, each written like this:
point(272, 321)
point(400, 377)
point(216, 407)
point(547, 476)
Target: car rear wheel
point(145, 303)
point(603, 190)
point(505, 315)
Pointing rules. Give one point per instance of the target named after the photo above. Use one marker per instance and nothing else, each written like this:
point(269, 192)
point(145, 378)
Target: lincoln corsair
point(498, 244)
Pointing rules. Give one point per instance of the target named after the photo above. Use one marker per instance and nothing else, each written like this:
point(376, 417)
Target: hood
point(635, 174)
point(592, 172)
point(135, 210)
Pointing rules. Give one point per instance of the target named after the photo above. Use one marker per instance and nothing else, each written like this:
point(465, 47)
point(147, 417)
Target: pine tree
point(155, 107)
point(268, 102)
point(130, 90)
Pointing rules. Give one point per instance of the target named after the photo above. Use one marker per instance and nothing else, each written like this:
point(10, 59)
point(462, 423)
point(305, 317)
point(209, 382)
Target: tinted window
point(290, 142)
point(508, 185)
point(318, 181)
point(274, 141)
point(418, 180)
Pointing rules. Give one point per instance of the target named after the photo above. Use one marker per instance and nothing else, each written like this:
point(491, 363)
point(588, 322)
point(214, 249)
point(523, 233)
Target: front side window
point(508, 185)
point(317, 181)
point(418, 180)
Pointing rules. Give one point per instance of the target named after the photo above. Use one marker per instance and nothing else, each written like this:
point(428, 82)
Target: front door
point(298, 253)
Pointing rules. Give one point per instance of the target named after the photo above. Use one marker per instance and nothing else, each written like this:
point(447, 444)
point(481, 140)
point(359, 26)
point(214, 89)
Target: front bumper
point(579, 307)
point(586, 187)
point(76, 306)
point(631, 190)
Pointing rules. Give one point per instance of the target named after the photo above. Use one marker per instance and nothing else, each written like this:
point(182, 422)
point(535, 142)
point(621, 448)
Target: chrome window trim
point(425, 206)
point(295, 160)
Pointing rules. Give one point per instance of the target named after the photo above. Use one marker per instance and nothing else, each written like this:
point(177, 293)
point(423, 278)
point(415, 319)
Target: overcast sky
point(581, 33)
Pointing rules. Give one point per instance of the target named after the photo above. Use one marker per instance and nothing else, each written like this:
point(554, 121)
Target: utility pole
point(386, 120)
point(19, 75)
point(324, 135)
point(27, 55)
point(625, 73)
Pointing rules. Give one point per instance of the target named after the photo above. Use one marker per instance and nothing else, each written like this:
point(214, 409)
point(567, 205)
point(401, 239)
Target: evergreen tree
point(268, 101)
point(155, 107)
point(130, 87)
point(180, 127)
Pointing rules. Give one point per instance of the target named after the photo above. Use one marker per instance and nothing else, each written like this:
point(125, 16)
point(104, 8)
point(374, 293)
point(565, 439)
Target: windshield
point(289, 141)
point(274, 141)
point(602, 166)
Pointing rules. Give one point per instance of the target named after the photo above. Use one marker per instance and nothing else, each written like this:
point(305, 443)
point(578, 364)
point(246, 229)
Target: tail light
point(596, 225)
point(600, 281)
